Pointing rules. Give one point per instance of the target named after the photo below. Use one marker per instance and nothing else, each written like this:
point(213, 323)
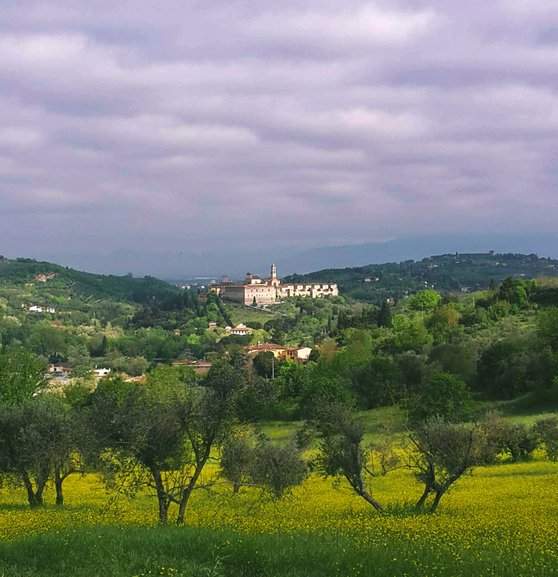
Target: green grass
point(502, 521)
point(243, 314)
point(197, 552)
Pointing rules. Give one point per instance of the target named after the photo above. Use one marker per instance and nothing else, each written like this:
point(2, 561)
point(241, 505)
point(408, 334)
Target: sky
point(187, 137)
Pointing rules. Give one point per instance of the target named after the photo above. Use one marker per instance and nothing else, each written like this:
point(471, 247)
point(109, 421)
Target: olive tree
point(37, 444)
point(444, 452)
point(160, 434)
point(342, 453)
point(37, 440)
point(274, 468)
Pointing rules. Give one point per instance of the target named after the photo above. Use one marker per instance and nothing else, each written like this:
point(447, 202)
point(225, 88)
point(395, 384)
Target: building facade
point(258, 291)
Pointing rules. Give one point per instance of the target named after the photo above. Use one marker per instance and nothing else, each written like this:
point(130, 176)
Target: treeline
point(160, 435)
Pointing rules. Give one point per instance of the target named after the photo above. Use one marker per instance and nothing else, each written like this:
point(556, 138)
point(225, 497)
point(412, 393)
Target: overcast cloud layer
point(237, 127)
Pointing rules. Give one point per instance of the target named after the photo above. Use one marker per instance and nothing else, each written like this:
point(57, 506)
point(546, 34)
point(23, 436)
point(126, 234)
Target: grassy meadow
point(500, 521)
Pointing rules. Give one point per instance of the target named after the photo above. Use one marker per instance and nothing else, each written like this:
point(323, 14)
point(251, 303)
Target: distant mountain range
point(415, 248)
point(189, 263)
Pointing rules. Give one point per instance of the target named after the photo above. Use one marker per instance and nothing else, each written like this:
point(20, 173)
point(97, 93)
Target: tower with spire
point(274, 281)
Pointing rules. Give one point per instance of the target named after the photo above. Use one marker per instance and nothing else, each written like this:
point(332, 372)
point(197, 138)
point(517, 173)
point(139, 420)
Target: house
point(280, 352)
point(61, 370)
point(102, 372)
point(240, 329)
point(44, 277)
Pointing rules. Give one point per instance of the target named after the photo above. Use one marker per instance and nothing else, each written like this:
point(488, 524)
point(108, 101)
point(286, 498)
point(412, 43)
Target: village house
point(240, 329)
point(101, 372)
point(61, 371)
point(280, 352)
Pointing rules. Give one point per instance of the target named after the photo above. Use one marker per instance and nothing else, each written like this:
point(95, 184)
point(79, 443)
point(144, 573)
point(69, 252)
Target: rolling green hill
point(50, 279)
point(445, 273)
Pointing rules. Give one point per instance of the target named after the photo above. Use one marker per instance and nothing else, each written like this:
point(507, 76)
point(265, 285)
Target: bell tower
point(274, 279)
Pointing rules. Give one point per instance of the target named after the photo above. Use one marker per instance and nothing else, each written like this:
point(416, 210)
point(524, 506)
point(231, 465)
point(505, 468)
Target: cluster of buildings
point(65, 371)
point(38, 309)
point(257, 291)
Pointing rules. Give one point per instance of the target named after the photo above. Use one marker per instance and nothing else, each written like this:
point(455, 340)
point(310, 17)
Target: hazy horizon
point(187, 266)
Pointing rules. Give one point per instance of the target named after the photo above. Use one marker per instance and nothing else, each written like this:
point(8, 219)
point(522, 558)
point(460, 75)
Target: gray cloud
point(237, 128)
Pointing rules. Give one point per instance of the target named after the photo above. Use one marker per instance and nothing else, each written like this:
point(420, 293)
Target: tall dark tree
point(384, 315)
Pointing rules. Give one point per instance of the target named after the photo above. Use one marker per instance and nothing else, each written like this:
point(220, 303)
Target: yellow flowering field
point(501, 515)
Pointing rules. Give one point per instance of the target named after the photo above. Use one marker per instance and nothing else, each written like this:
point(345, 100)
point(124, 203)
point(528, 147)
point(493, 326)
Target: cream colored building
point(258, 291)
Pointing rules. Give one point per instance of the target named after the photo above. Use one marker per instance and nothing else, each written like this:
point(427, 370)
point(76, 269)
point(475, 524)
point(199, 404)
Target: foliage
point(21, 375)
point(277, 468)
point(519, 441)
point(426, 300)
point(547, 432)
point(160, 434)
point(237, 458)
point(447, 272)
point(444, 396)
point(37, 442)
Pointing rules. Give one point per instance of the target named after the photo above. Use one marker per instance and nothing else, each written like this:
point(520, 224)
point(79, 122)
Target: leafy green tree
point(37, 442)
point(426, 300)
point(377, 382)
point(265, 364)
point(47, 340)
point(145, 445)
point(444, 322)
point(412, 369)
point(236, 461)
point(409, 334)
point(547, 432)
point(547, 326)
point(444, 396)
point(323, 384)
point(22, 374)
point(459, 359)
point(503, 369)
point(79, 357)
point(519, 441)
point(277, 469)
point(160, 434)
point(513, 290)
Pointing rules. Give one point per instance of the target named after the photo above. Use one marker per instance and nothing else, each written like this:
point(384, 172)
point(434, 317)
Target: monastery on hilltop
point(264, 291)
